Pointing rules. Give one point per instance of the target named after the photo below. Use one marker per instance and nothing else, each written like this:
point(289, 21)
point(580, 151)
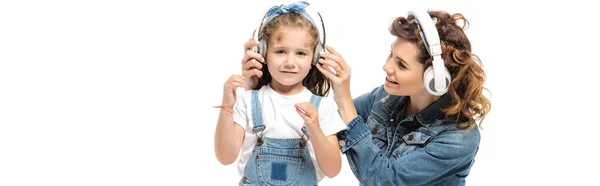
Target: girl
point(287, 134)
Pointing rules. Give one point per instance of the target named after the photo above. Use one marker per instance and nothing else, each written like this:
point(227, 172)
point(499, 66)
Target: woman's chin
point(393, 91)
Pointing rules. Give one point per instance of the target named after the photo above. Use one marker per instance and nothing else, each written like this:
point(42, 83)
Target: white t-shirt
point(282, 120)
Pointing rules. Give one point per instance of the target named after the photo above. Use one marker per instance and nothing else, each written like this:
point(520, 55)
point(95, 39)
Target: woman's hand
point(251, 64)
point(340, 77)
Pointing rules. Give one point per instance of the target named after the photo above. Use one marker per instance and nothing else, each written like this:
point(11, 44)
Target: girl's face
point(289, 57)
point(404, 72)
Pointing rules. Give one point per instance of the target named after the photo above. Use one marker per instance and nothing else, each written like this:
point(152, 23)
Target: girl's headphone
point(301, 8)
point(436, 78)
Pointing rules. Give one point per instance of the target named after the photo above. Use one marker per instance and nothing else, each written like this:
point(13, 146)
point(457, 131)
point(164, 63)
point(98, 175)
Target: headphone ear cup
point(316, 55)
point(429, 81)
point(262, 48)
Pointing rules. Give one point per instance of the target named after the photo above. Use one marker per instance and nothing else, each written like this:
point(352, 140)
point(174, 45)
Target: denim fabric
point(384, 147)
point(278, 161)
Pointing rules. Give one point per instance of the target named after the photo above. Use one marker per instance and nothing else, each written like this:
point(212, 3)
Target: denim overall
point(278, 161)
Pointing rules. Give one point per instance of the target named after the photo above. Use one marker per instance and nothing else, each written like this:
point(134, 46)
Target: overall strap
point(256, 113)
point(315, 100)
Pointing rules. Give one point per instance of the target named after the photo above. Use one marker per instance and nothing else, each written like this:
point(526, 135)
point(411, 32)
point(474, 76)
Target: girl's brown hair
point(315, 81)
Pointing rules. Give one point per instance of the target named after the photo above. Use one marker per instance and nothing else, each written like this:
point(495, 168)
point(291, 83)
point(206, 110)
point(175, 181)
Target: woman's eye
point(401, 65)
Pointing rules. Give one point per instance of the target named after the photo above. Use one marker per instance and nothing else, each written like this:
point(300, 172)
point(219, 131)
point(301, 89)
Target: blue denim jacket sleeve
point(447, 154)
point(363, 104)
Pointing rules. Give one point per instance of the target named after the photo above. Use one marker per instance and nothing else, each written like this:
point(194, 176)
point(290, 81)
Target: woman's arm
point(447, 154)
point(340, 80)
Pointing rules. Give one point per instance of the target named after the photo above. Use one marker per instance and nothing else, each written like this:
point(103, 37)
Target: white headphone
point(313, 16)
point(436, 78)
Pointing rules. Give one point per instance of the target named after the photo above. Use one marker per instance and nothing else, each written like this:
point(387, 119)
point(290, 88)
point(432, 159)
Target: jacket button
point(245, 180)
point(411, 137)
point(259, 141)
point(342, 143)
point(374, 131)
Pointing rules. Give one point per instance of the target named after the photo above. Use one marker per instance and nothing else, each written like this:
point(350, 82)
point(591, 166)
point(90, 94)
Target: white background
point(121, 92)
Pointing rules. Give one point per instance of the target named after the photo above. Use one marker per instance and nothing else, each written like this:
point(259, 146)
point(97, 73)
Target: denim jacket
point(384, 147)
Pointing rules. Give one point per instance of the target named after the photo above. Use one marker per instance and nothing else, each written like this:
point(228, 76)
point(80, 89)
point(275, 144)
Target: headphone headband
point(432, 42)
point(301, 8)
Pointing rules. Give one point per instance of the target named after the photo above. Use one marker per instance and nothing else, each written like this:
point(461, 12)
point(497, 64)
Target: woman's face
point(404, 72)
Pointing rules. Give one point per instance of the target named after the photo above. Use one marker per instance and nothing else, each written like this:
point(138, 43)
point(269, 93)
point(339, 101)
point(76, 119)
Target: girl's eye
point(280, 52)
point(301, 53)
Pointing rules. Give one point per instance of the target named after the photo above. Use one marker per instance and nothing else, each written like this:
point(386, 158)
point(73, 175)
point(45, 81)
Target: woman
point(420, 127)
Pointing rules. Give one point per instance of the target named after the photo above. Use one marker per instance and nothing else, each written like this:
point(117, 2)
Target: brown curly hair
point(468, 103)
point(315, 81)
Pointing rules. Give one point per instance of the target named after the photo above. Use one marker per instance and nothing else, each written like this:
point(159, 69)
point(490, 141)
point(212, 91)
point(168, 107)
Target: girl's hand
point(309, 113)
point(229, 90)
